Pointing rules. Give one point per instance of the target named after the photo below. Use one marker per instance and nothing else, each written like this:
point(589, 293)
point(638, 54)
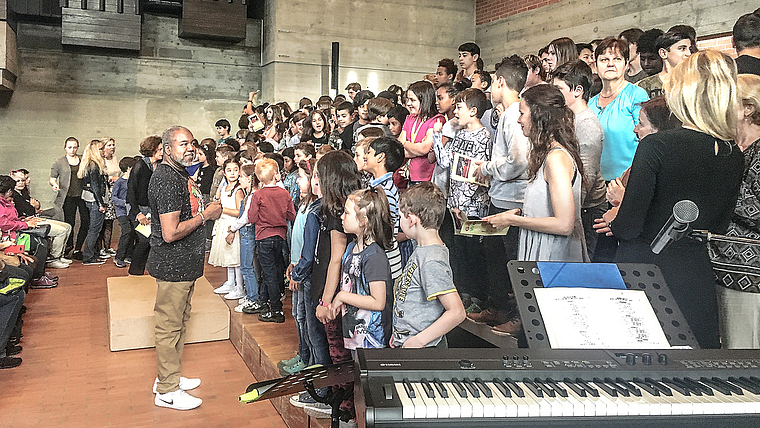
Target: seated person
point(12, 280)
point(26, 206)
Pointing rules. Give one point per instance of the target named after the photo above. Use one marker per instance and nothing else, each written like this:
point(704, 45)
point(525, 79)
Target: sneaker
point(93, 262)
point(511, 327)
point(77, 255)
point(235, 294)
point(245, 302)
point(12, 350)
point(178, 400)
point(290, 362)
point(65, 260)
point(225, 288)
point(272, 316)
point(119, 263)
point(57, 264)
point(489, 316)
point(104, 253)
point(305, 399)
point(242, 300)
point(128, 261)
point(44, 282)
point(50, 276)
point(111, 251)
point(9, 362)
point(185, 384)
point(295, 368)
point(351, 423)
point(256, 308)
point(318, 410)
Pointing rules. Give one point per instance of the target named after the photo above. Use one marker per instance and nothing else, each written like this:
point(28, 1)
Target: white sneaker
point(235, 294)
point(185, 384)
point(244, 302)
point(178, 400)
point(224, 288)
point(57, 264)
point(65, 260)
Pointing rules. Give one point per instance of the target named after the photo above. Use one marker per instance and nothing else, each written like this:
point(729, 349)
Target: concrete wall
point(381, 43)
point(585, 20)
point(88, 94)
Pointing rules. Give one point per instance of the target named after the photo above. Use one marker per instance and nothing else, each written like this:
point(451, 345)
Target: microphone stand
point(705, 236)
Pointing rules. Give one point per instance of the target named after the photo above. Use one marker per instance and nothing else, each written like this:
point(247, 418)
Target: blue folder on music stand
point(587, 275)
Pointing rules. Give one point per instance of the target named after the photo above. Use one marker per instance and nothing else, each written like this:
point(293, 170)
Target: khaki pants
point(172, 311)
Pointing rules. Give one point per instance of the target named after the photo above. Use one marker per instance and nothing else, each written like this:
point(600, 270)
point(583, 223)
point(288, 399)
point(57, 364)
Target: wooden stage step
point(130, 313)
point(262, 345)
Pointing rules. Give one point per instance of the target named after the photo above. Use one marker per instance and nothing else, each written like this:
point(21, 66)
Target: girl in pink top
point(417, 133)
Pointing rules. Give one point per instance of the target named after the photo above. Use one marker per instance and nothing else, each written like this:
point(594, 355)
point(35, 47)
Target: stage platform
point(130, 313)
point(262, 345)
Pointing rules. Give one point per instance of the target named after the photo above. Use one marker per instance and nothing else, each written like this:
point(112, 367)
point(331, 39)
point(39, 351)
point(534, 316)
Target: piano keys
point(543, 387)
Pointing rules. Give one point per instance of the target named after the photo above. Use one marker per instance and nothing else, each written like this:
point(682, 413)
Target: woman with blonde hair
point(698, 162)
point(92, 170)
point(736, 265)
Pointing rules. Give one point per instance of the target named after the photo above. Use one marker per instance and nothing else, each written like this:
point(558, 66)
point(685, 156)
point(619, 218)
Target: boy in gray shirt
point(426, 305)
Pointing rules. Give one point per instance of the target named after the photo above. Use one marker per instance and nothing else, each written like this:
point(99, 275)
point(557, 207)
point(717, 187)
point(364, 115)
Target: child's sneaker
point(243, 302)
point(256, 308)
point(295, 368)
point(179, 400)
point(290, 362)
point(305, 399)
point(225, 288)
point(272, 316)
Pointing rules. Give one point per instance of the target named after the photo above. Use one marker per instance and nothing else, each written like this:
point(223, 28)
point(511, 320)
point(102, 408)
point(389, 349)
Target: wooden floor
point(70, 378)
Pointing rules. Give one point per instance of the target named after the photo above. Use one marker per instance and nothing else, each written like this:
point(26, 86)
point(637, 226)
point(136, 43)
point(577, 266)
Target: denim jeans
point(247, 246)
point(272, 269)
point(299, 314)
point(319, 350)
point(96, 222)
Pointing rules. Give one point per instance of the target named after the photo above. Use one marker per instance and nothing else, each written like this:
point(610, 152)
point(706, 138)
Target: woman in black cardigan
point(699, 162)
point(137, 198)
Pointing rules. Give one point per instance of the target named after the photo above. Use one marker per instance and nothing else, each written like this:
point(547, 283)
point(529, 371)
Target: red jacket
point(270, 210)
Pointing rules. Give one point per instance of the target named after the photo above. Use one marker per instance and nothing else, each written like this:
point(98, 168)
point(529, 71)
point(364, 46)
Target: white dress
point(223, 255)
point(547, 247)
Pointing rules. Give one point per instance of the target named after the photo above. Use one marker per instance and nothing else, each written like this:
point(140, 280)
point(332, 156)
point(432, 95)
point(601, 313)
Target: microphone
point(684, 213)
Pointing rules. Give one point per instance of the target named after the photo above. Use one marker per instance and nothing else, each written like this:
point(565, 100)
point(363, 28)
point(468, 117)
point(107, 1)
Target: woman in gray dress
point(550, 221)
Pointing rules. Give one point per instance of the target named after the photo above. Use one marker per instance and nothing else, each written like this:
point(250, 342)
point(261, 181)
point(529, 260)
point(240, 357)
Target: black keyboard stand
point(637, 276)
point(333, 399)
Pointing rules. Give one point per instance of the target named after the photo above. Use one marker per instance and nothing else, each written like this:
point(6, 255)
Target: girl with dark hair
point(273, 115)
point(550, 225)
point(335, 178)
point(560, 51)
point(417, 133)
point(315, 129)
point(223, 253)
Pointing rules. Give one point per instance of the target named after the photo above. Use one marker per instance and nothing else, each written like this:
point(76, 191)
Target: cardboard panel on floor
point(130, 313)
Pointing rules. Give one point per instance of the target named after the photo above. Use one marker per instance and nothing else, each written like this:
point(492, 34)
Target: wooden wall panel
point(213, 19)
point(100, 29)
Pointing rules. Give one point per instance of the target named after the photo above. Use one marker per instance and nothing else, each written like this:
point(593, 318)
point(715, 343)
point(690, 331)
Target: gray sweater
point(509, 161)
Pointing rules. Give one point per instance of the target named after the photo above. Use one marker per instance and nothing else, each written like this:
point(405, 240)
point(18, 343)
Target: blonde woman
point(699, 162)
point(92, 170)
point(737, 266)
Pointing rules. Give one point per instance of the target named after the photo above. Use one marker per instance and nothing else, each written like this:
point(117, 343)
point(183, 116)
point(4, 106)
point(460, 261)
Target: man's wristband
point(203, 219)
point(321, 303)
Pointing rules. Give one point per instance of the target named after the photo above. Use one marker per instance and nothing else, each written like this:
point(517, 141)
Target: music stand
point(308, 379)
point(525, 276)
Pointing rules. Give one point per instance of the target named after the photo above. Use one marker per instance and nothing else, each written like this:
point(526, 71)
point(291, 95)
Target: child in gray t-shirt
point(426, 305)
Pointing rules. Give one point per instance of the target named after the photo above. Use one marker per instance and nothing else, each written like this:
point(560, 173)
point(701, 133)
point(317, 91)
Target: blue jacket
point(119, 197)
point(302, 270)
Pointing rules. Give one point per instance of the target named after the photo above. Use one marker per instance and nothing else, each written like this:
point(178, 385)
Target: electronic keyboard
point(557, 388)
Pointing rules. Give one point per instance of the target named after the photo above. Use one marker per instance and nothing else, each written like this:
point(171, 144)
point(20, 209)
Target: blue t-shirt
point(618, 119)
point(363, 328)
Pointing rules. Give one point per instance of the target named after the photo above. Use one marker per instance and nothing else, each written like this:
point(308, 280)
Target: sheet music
point(599, 318)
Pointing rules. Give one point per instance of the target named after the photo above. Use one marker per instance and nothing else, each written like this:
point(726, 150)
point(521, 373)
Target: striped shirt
point(391, 192)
